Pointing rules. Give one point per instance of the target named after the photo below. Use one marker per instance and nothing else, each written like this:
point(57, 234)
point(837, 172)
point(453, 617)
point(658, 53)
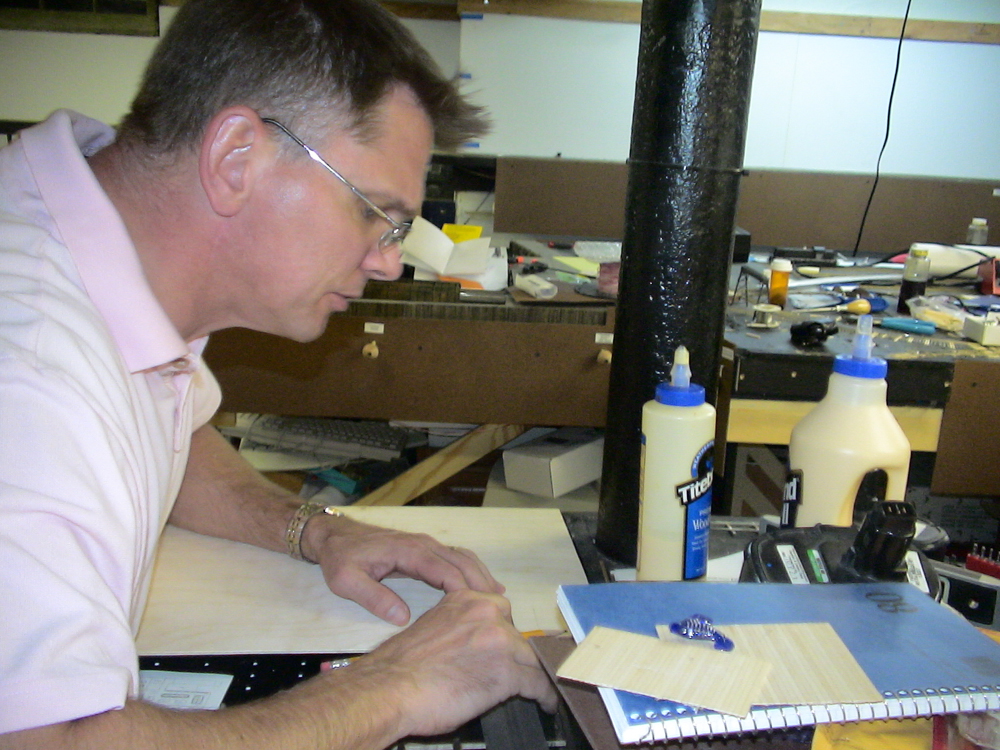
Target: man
point(269, 167)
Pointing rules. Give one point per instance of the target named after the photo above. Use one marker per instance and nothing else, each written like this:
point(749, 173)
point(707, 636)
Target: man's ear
point(232, 150)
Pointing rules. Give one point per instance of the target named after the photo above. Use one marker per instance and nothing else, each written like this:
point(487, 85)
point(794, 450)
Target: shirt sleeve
point(71, 538)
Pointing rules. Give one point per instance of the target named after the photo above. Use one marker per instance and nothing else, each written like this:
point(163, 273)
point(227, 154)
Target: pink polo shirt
point(99, 396)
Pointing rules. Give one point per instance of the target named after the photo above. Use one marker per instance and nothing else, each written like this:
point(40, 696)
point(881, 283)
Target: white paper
point(186, 690)
point(427, 247)
point(494, 278)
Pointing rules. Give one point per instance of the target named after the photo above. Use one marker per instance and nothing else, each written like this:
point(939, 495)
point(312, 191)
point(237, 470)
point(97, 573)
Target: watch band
point(293, 534)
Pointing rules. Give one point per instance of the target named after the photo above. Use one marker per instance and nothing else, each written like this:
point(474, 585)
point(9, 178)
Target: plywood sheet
point(211, 596)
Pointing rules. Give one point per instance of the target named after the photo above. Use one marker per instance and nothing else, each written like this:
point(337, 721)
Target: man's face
point(316, 243)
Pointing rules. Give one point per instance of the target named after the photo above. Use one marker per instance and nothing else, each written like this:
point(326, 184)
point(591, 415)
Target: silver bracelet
point(293, 534)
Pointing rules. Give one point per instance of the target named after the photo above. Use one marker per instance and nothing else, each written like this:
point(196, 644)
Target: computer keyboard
point(328, 438)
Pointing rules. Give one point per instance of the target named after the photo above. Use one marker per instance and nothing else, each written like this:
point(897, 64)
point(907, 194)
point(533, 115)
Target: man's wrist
point(296, 526)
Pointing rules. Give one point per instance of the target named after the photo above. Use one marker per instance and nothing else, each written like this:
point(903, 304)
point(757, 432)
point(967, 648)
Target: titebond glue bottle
point(675, 484)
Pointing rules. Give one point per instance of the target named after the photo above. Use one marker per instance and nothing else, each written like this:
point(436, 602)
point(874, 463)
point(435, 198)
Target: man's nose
point(385, 265)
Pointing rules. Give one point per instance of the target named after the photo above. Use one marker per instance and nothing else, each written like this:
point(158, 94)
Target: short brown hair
point(305, 62)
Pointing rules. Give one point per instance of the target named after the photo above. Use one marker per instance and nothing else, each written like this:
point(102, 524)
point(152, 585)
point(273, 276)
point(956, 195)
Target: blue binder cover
point(924, 658)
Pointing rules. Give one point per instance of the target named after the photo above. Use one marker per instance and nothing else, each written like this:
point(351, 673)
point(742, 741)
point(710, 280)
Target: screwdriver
point(858, 306)
point(909, 325)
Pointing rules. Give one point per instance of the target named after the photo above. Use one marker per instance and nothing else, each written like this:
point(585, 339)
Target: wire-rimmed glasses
point(397, 231)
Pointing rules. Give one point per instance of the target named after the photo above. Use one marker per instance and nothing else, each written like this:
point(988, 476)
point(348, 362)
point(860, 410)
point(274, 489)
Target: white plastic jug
point(848, 434)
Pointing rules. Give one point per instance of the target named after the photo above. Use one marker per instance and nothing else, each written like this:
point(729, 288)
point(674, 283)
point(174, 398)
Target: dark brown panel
point(797, 209)
point(966, 461)
point(825, 209)
point(560, 197)
point(783, 208)
point(429, 370)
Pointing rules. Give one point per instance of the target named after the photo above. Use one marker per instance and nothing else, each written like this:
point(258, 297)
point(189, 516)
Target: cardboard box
point(555, 464)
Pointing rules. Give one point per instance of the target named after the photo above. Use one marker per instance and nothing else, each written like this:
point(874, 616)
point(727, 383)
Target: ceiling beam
point(630, 11)
point(435, 11)
point(429, 11)
point(780, 21)
point(588, 10)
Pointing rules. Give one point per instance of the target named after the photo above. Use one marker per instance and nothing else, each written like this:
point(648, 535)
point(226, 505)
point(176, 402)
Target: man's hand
point(356, 556)
point(455, 662)
point(223, 496)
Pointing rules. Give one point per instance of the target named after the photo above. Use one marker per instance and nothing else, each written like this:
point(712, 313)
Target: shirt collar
point(97, 238)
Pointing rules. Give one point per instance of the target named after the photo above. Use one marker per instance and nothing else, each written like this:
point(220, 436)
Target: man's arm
point(453, 663)
point(456, 661)
point(222, 495)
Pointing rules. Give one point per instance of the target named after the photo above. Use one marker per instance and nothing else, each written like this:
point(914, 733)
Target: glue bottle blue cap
point(680, 391)
point(860, 363)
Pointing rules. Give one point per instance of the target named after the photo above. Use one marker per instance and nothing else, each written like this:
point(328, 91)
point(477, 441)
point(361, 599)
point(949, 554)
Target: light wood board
point(770, 422)
point(772, 664)
point(211, 596)
point(811, 666)
point(724, 681)
point(439, 466)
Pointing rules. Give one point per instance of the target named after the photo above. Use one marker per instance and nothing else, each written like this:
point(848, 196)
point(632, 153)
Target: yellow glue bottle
point(675, 478)
point(847, 435)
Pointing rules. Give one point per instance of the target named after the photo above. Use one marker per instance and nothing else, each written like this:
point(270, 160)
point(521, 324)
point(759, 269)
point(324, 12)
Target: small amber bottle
point(777, 285)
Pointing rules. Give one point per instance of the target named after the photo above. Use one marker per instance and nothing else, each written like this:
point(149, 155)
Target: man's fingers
point(474, 572)
point(534, 680)
point(536, 685)
point(376, 597)
point(356, 557)
point(444, 568)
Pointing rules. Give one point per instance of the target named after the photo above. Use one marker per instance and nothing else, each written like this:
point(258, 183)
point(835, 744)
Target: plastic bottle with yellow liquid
point(777, 281)
point(848, 435)
point(675, 478)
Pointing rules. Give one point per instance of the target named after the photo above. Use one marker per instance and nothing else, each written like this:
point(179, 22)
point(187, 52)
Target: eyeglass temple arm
point(314, 155)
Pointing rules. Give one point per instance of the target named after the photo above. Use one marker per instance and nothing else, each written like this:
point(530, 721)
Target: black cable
point(888, 123)
point(474, 172)
point(969, 267)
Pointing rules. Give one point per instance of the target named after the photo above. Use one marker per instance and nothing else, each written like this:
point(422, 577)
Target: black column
point(688, 133)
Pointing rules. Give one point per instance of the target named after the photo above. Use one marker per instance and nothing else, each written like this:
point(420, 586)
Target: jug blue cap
point(672, 395)
point(860, 363)
point(874, 368)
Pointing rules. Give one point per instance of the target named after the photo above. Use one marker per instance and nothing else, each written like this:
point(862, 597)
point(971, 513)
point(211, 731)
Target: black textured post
point(688, 132)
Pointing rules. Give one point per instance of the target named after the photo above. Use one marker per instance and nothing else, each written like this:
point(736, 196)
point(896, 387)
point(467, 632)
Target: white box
point(555, 464)
point(985, 330)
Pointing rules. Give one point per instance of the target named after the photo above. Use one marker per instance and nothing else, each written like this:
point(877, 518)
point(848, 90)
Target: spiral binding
point(678, 722)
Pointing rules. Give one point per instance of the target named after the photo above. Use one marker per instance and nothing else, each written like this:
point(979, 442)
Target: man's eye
point(368, 212)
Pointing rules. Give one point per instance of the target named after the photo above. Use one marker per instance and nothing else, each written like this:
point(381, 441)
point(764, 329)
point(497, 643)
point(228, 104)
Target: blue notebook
point(924, 658)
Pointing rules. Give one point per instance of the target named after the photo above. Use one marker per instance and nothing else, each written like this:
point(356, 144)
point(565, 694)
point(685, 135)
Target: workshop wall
point(98, 74)
point(562, 87)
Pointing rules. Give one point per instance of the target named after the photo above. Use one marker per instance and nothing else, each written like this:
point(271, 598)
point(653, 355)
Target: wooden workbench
point(940, 388)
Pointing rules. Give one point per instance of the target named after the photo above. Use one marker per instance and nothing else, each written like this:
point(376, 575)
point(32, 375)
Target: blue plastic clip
point(700, 628)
